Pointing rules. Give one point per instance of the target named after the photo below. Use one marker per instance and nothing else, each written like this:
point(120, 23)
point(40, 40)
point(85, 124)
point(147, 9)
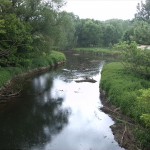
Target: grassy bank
point(99, 51)
point(44, 60)
point(132, 94)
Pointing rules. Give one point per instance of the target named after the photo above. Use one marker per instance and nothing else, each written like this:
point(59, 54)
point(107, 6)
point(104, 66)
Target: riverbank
point(99, 51)
point(12, 78)
point(126, 99)
point(123, 129)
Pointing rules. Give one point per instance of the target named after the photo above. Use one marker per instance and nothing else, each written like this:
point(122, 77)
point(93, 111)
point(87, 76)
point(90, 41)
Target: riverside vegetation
point(31, 29)
point(99, 51)
point(45, 60)
point(29, 32)
point(127, 86)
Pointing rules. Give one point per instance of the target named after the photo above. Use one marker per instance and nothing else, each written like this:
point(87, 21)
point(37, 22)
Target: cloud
point(102, 9)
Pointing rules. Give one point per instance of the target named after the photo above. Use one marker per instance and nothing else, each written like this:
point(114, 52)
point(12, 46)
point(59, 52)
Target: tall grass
point(25, 65)
point(129, 92)
point(102, 51)
point(7, 74)
point(4, 76)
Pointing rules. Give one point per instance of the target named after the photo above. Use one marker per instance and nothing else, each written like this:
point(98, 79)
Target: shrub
point(135, 59)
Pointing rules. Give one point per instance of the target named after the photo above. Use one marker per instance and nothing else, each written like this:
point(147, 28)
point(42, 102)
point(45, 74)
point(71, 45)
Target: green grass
point(4, 76)
point(103, 51)
point(56, 57)
point(129, 92)
point(7, 74)
point(44, 60)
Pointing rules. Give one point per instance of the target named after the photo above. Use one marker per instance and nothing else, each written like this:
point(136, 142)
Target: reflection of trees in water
point(42, 83)
point(82, 61)
point(37, 116)
point(32, 124)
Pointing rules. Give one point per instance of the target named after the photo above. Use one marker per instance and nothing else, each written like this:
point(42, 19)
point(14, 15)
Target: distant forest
point(36, 27)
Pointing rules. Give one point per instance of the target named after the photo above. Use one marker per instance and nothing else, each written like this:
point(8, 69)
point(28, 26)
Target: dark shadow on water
point(32, 120)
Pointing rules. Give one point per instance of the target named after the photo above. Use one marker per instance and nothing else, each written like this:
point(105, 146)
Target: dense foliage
point(139, 30)
point(135, 59)
point(32, 27)
point(143, 11)
point(92, 33)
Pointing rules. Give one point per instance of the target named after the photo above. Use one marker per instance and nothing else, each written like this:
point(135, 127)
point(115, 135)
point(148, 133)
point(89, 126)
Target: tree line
point(107, 33)
point(35, 27)
point(32, 27)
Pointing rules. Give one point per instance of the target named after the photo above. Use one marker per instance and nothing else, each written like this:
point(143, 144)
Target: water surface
point(56, 113)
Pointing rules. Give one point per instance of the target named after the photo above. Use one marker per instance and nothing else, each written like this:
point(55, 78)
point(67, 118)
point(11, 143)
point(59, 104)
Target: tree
point(129, 35)
point(109, 35)
point(139, 32)
point(119, 28)
point(142, 33)
point(89, 33)
point(35, 25)
point(16, 39)
point(65, 33)
point(135, 59)
point(143, 11)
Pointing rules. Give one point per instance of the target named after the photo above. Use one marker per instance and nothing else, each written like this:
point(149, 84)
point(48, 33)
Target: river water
point(56, 113)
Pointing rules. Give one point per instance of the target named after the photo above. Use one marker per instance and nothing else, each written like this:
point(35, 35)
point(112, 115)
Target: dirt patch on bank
point(124, 127)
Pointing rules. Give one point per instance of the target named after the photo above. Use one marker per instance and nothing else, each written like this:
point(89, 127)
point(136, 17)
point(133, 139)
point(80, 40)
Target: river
point(54, 112)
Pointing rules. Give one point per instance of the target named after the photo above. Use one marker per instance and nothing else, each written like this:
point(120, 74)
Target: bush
point(135, 59)
point(56, 57)
point(145, 118)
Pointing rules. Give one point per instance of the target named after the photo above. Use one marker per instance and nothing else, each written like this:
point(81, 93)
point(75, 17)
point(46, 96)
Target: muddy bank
point(13, 87)
point(124, 127)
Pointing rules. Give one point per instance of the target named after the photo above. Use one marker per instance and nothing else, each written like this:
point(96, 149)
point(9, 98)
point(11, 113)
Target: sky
point(102, 9)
